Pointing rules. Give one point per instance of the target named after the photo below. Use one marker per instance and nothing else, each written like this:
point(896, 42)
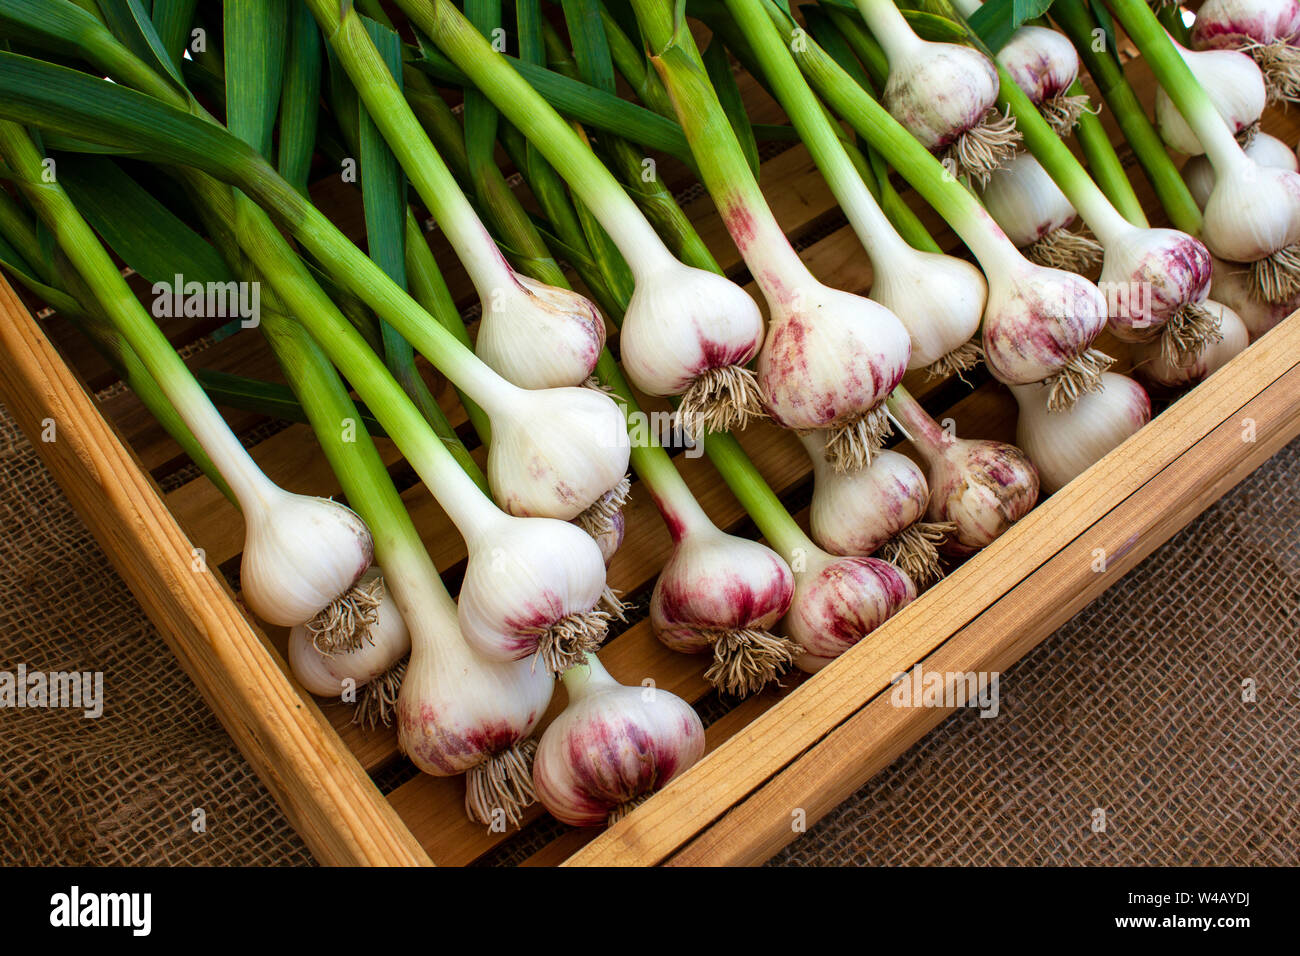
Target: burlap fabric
point(1134, 709)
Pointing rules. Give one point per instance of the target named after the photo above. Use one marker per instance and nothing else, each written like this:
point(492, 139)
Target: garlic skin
point(983, 487)
point(969, 82)
point(386, 642)
point(1253, 212)
point(612, 747)
point(1153, 366)
point(300, 555)
point(1040, 322)
point(1231, 79)
point(938, 298)
point(857, 512)
point(525, 579)
point(685, 325)
point(829, 361)
point(540, 336)
point(1233, 24)
point(1231, 286)
point(1064, 444)
point(1266, 150)
point(556, 451)
point(840, 600)
point(1154, 273)
point(1044, 64)
point(715, 582)
point(611, 538)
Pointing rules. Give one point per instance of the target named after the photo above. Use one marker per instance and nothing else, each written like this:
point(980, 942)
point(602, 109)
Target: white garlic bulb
point(540, 336)
point(1234, 83)
point(1266, 150)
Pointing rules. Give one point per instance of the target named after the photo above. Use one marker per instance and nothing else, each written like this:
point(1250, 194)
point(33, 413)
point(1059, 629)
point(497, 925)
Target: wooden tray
point(777, 762)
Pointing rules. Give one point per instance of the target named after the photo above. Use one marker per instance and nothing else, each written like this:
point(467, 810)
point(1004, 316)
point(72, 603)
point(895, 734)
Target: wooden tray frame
point(773, 762)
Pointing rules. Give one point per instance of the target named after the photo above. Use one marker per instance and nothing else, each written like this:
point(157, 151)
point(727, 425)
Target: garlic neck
point(921, 430)
point(582, 680)
point(891, 29)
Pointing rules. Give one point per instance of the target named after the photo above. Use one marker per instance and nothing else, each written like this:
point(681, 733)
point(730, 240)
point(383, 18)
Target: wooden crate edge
point(322, 789)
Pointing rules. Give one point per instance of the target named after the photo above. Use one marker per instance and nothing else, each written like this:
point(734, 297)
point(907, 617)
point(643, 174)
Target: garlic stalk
point(1153, 366)
point(535, 335)
point(1263, 149)
point(1268, 30)
point(830, 357)
point(1232, 286)
point(301, 554)
point(1031, 209)
point(879, 508)
point(612, 747)
point(687, 332)
point(938, 298)
point(944, 93)
point(1045, 65)
point(373, 669)
point(1253, 213)
point(1064, 444)
point(982, 487)
point(1039, 323)
point(1235, 84)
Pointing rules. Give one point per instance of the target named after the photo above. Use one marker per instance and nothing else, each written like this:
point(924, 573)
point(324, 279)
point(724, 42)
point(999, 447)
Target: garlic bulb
point(540, 336)
point(556, 452)
point(1253, 216)
point(1154, 367)
point(374, 667)
point(840, 600)
point(612, 747)
point(1232, 286)
point(1044, 64)
point(724, 594)
point(611, 539)
point(1031, 209)
point(1039, 326)
point(1266, 150)
point(1266, 29)
point(1233, 82)
point(939, 299)
point(689, 332)
point(829, 361)
point(944, 93)
point(981, 487)
point(531, 587)
point(458, 713)
point(301, 554)
point(877, 508)
point(1064, 444)
point(1159, 279)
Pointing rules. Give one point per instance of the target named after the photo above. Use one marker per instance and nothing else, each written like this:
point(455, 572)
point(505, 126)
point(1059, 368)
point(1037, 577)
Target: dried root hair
point(623, 809)
point(1276, 278)
point(1081, 375)
point(961, 359)
point(745, 661)
point(915, 550)
point(1280, 64)
point(853, 446)
point(1189, 330)
point(570, 639)
point(1063, 249)
point(377, 701)
point(345, 623)
point(502, 783)
point(988, 145)
point(1063, 110)
point(719, 400)
point(598, 519)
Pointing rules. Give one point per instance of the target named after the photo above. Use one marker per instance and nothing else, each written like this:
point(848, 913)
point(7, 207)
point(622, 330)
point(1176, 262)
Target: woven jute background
point(1126, 738)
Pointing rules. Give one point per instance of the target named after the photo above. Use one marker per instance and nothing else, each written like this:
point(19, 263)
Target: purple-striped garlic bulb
point(723, 594)
point(1233, 287)
point(1154, 366)
point(838, 601)
point(612, 747)
point(1064, 444)
point(981, 487)
point(1044, 64)
point(539, 336)
point(878, 508)
point(1268, 30)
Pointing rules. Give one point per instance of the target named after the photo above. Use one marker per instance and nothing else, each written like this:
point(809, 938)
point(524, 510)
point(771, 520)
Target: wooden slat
point(320, 786)
point(710, 788)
